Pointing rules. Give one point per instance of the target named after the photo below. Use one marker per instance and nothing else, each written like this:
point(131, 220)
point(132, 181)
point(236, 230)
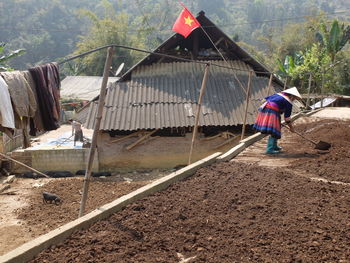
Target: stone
point(10, 179)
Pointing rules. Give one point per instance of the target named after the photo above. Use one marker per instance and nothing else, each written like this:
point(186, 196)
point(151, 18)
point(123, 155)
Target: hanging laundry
point(53, 83)
point(7, 119)
point(36, 123)
point(47, 86)
point(30, 100)
point(24, 102)
point(22, 96)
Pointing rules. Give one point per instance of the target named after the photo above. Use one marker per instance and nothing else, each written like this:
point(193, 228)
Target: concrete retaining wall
point(63, 159)
point(156, 153)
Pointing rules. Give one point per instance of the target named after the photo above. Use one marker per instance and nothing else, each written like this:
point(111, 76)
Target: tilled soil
point(40, 217)
point(332, 165)
point(233, 212)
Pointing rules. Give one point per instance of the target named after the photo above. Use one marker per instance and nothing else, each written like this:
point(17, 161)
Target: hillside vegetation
point(50, 30)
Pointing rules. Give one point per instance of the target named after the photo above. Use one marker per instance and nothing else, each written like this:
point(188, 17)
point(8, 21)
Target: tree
point(5, 58)
point(315, 61)
point(288, 68)
point(333, 39)
point(112, 28)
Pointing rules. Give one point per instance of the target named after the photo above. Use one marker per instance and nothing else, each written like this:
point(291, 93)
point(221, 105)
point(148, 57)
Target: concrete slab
point(333, 113)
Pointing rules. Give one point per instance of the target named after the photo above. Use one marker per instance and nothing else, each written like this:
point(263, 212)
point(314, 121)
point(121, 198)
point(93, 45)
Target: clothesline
point(30, 100)
point(161, 55)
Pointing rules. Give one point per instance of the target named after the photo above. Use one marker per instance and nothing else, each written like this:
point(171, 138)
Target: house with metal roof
point(149, 113)
point(82, 87)
point(80, 90)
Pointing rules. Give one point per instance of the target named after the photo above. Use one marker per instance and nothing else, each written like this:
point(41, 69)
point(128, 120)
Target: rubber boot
point(275, 146)
point(270, 146)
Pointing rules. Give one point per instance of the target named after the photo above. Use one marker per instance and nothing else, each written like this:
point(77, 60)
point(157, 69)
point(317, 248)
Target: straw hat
point(293, 91)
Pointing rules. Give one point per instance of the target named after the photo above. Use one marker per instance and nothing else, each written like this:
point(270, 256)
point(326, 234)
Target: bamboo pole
point(246, 104)
point(194, 134)
point(322, 89)
point(308, 92)
point(285, 83)
point(22, 164)
point(101, 103)
point(270, 85)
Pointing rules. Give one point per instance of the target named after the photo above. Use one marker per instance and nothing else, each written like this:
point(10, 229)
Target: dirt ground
point(256, 208)
point(331, 165)
point(24, 216)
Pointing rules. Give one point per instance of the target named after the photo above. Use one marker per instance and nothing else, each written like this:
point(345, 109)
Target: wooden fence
point(8, 144)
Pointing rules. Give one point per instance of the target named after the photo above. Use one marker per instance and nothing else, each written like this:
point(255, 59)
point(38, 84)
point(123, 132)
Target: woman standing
point(76, 131)
point(268, 120)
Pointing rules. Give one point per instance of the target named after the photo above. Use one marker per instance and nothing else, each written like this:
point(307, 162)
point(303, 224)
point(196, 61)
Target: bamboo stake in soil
point(308, 92)
point(101, 103)
point(194, 134)
point(24, 165)
point(247, 104)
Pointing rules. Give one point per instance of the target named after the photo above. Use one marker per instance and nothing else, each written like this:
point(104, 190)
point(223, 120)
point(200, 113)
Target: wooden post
point(101, 103)
point(246, 104)
point(322, 84)
point(308, 92)
point(270, 85)
point(194, 134)
point(22, 164)
point(285, 83)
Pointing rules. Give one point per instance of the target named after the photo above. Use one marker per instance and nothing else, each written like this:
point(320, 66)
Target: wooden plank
point(226, 142)
point(22, 164)
point(128, 136)
point(141, 139)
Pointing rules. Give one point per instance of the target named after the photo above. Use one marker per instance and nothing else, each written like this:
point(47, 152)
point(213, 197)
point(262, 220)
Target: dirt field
point(24, 216)
point(238, 211)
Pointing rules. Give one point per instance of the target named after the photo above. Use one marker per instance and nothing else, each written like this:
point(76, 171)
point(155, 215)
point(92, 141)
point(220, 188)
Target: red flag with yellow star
point(185, 23)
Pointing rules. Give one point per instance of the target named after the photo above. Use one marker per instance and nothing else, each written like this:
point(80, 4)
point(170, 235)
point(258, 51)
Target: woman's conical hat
point(293, 91)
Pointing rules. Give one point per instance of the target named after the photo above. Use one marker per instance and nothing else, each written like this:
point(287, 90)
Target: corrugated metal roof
point(325, 102)
point(166, 95)
point(82, 87)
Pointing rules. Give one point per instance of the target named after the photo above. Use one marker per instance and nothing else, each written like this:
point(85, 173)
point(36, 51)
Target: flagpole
point(182, 5)
point(240, 84)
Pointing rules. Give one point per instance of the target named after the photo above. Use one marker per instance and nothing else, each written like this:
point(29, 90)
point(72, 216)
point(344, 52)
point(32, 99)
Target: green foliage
point(5, 58)
point(112, 28)
point(72, 69)
point(333, 39)
point(270, 30)
point(315, 61)
point(256, 54)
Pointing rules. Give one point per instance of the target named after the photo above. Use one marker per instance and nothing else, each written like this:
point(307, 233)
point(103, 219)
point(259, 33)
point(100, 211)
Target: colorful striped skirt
point(268, 121)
